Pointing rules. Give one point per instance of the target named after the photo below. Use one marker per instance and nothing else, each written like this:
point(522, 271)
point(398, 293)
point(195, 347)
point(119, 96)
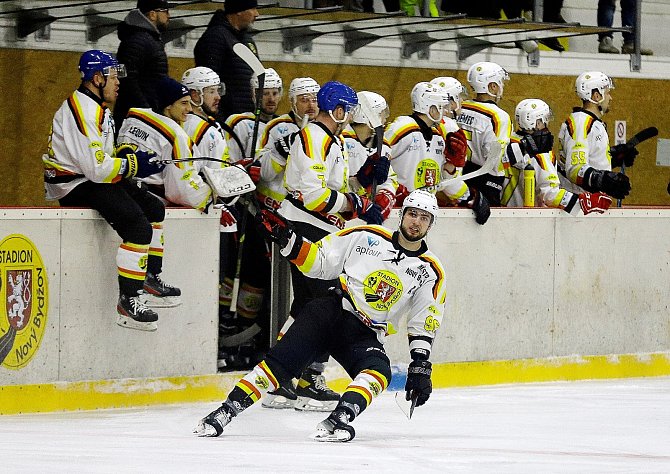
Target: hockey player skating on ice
point(381, 277)
point(586, 160)
point(487, 127)
point(81, 170)
point(531, 151)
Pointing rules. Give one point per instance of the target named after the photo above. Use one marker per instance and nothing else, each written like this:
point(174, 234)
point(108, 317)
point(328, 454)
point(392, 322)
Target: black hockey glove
point(623, 154)
point(528, 145)
point(365, 208)
point(544, 140)
point(139, 163)
point(479, 205)
point(283, 145)
point(418, 383)
point(616, 185)
point(374, 168)
point(273, 226)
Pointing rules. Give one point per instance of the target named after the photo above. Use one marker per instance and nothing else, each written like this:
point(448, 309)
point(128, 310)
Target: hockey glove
point(623, 154)
point(594, 202)
point(227, 217)
point(252, 167)
point(385, 200)
point(418, 383)
point(273, 226)
point(374, 168)
point(616, 185)
point(283, 145)
point(139, 164)
point(456, 148)
point(364, 208)
point(528, 145)
point(544, 140)
point(479, 205)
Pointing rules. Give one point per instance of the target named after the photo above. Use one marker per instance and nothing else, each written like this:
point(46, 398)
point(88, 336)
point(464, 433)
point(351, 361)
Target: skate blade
point(203, 430)
point(309, 404)
point(277, 402)
point(153, 301)
point(338, 436)
point(130, 323)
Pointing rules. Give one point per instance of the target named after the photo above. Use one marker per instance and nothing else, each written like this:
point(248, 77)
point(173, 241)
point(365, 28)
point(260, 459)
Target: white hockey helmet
point(272, 80)
point(197, 78)
point(372, 109)
point(481, 74)
point(426, 95)
point(301, 86)
point(453, 87)
point(529, 111)
point(421, 200)
point(589, 81)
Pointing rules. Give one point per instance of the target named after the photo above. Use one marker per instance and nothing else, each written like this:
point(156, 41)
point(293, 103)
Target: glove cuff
point(131, 165)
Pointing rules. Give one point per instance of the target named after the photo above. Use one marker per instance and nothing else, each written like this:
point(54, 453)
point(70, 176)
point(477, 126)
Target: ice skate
point(335, 428)
point(313, 393)
point(133, 314)
point(212, 425)
point(280, 399)
point(158, 294)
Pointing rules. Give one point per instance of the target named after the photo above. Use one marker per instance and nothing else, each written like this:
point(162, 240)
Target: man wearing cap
point(214, 50)
point(142, 51)
point(160, 130)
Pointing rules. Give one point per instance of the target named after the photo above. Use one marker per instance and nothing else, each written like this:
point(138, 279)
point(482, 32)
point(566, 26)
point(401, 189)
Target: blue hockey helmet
point(99, 61)
point(333, 94)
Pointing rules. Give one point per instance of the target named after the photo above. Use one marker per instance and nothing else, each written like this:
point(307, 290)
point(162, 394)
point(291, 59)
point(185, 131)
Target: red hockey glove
point(385, 199)
point(456, 148)
point(254, 169)
point(594, 202)
point(227, 217)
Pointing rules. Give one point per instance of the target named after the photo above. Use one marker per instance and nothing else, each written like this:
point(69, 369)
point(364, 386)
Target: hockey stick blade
point(406, 406)
point(486, 168)
point(642, 135)
point(249, 57)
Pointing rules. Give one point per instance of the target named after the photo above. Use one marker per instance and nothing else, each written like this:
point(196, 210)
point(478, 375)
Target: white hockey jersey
point(316, 176)
point(81, 146)
point(548, 191)
point(358, 154)
point(488, 129)
point(207, 138)
point(180, 181)
point(584, 144)
point(381, 282)
point(239, 140)
point(417, 154)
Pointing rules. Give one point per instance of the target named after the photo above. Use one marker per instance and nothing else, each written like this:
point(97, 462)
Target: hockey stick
point(402, 402)
point(639, 137)
point(486, 168)
point(378, 127)
point(259, 71)
point(184, 160)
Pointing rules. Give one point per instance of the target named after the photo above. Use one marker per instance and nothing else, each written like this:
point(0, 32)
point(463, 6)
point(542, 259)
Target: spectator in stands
point(606, 10)
point(214, 50)
point(142, 51)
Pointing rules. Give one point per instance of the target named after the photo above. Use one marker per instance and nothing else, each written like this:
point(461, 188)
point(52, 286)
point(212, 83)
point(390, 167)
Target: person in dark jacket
point(214, 50)
point(143, 52)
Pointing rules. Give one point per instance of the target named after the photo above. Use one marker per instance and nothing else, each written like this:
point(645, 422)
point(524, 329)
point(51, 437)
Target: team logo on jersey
point(382, 289)
point(372, 242)
point(427, 173)
point(24, 286)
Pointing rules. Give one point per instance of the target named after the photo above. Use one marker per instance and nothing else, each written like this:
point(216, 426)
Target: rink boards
point(533, 295)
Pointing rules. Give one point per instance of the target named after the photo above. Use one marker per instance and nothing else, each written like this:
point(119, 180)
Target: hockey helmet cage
point(453, 87)
point(589, 81)
point(198, 78)
point(372, 109)
point(421, 200)
point(271, 81)
point(529, 111)
point(425, 95)
point(481, 74)
point(96, 60)
point(301, 86)
point(334, 94)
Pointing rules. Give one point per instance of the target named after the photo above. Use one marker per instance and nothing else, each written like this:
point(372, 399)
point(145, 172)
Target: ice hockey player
point(81, 170)
point(531, 151)
point(373, 266)
point(586, 160)
point(487, 128)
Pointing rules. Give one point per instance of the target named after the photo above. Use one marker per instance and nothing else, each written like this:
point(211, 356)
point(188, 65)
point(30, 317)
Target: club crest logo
point(382, 290)
point(24, 287)
point(427, 173)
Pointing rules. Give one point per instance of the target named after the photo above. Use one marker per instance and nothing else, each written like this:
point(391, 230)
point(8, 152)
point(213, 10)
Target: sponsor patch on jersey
point(427, 173)
point(24, 286)
point(382, 289)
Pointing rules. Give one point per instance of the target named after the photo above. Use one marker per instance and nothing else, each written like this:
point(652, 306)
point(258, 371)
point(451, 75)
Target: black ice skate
point(213, 424)
point(158, 294)
point(133, 314)
point(335, 428)
point(313, 393)
point(281, 398)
